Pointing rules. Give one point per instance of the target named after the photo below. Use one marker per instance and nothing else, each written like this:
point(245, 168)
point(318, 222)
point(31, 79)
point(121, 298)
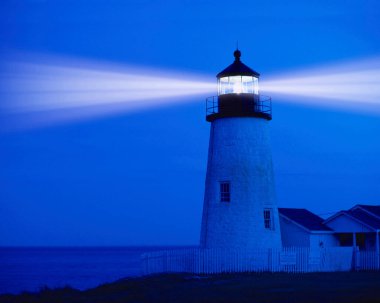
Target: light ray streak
point(352, 85)
point(40, 90)
point(43, 87)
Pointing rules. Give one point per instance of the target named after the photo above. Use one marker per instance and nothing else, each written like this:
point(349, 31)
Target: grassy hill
point(251, 287)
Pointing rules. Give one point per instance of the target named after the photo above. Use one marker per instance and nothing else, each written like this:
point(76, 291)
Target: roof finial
point(237, 55)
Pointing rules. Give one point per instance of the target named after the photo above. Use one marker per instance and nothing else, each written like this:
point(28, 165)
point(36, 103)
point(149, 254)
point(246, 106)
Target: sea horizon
point(31, 268)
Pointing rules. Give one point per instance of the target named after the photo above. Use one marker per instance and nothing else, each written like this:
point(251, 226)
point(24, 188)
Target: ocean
point(33, 268)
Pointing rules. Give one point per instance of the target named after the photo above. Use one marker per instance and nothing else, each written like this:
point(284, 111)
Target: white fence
point(212, 261)
point(367, 260)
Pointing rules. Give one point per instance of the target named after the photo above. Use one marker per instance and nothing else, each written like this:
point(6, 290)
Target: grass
point(253, 287)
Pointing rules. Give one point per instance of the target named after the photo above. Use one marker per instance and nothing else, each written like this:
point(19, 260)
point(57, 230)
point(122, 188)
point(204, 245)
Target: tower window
point(225, 192)
point(268, 218)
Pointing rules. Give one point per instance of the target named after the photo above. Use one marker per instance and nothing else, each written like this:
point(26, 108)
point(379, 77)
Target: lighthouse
point(240, 209)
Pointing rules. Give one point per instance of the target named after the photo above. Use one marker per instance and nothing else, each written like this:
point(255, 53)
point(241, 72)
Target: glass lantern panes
point(238, 85)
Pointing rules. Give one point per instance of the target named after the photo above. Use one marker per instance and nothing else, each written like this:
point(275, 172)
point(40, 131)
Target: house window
point(225, 192)
point(268, 218)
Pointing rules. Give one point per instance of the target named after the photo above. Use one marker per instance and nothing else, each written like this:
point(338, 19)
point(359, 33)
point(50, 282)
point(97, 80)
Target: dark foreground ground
point(264, 287)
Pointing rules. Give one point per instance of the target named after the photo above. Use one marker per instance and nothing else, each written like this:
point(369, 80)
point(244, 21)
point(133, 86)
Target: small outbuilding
point(302, 228)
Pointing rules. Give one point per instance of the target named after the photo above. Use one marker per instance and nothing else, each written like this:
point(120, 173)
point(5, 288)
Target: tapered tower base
point(243, 213)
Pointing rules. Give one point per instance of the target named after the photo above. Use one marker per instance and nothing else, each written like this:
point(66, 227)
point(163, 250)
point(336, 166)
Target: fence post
point(377, 250)
point(356, 258)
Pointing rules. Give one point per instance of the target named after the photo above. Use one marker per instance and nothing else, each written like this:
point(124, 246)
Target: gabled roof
point(364, 214)
point(365, 217)
point(373, 209)
point(305, 218)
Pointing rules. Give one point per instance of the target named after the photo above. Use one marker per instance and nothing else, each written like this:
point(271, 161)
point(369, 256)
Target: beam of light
point(41, 90)
point(350, 86)
point(48, 90)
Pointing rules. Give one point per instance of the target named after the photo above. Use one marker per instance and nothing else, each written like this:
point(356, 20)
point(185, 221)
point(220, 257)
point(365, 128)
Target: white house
point(358, 226)
point(302, 228)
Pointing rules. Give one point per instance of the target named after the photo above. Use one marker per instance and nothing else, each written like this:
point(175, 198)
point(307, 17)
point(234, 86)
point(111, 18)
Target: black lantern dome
point(237, 68)
point(238, 94)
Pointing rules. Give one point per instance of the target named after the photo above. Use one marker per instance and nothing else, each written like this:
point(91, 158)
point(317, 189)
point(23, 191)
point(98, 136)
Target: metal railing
point(262, 104)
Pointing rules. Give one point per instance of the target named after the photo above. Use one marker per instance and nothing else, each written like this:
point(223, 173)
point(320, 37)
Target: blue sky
point(137, 178)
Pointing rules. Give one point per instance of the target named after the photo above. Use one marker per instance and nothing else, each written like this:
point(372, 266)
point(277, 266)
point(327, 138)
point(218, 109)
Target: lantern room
point(238, 85)
point(238, 94)
point(238, 78)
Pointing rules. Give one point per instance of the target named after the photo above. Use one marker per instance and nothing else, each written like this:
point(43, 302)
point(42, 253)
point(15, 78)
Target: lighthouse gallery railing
point(263, 104)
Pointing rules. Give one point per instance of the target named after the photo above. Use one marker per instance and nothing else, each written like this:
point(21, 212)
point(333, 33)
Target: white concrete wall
point(239, 152)
point(323, 240)
point(292, 235)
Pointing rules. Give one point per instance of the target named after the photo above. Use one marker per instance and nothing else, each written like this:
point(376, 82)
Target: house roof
point(367, 215)
point(373, 209)
point(304, 218)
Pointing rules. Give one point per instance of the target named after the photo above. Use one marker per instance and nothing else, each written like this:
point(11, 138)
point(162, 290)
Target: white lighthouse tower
point(240, 208)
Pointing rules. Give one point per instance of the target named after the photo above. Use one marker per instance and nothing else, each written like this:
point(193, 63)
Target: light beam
point(350, 85)
point(41, 90)
point(59, 89)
